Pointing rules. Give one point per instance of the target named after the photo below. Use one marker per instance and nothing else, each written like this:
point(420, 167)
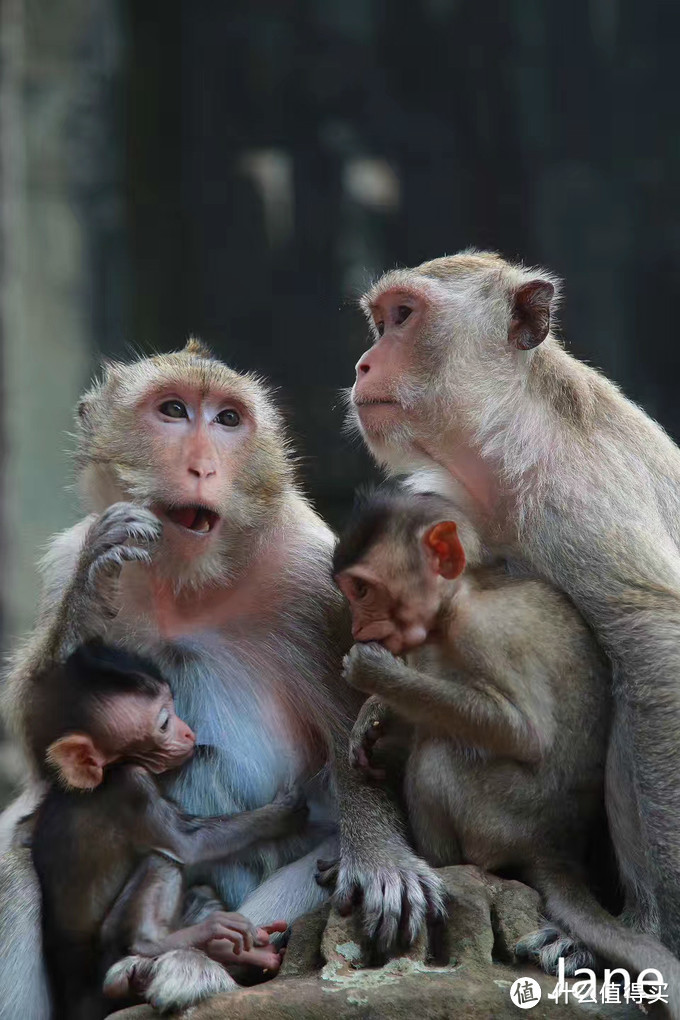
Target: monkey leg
point(291, 891)
point(640, 912)
point(24, 988)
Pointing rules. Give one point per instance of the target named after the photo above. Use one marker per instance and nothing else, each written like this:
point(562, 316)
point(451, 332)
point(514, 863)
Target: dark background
point(546, 131)
point(240, 170)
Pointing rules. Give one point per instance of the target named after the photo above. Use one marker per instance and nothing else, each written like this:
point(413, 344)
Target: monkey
point(201, 553)
point(111, 863)
point(467, 389)
point(509, 696)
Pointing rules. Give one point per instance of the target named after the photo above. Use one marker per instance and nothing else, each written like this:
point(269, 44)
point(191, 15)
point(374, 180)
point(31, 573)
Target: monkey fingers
point(264, 957)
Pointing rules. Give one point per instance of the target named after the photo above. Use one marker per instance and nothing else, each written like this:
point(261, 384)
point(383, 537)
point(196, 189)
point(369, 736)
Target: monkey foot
point(547, 945)
point(173, 981)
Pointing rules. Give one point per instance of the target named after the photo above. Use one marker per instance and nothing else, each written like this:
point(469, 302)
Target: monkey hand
point(371, 725)
point(396, 891)
point(122, 534)
point(365, 665)
point(292, 803)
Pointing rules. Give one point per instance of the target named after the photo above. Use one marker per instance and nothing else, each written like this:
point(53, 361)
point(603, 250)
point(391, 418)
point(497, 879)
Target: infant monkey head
point(398, 562)
point(101, 706)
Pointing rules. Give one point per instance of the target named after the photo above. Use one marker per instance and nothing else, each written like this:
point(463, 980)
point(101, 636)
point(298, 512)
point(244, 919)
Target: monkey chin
point(389, 435)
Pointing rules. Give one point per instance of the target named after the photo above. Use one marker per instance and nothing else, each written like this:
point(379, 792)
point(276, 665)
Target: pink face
point(396, 602)
point(146, 730)
point(398, 316)
point(390, 608)
point(199, 442)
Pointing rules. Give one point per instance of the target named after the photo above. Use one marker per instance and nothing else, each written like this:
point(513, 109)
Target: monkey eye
point(228, 417)
point(403, 312)
point(163, 720)
point(380, 326)
point(174, 409)
point(360, 587)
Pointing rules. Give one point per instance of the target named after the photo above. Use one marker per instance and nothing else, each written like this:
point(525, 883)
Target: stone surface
point(324, 976)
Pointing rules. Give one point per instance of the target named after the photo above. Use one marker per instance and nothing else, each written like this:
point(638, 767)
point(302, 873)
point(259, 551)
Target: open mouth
point(199, 519)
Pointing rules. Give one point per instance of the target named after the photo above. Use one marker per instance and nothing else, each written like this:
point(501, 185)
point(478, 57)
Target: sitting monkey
point(110, 861)
point(509, 699)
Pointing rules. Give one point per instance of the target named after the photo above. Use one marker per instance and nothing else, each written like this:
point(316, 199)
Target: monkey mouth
point(199, 519)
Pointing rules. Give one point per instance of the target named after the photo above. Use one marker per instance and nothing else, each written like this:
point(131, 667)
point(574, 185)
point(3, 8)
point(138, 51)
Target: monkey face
point(146, 730)
point(195, 442)
point(395, 607)
point(130, 726)
point(446, 336)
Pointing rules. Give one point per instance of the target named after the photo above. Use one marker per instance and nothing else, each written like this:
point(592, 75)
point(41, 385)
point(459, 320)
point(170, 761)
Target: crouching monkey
point(509, 696)
point(559, 473)
point(201, 553)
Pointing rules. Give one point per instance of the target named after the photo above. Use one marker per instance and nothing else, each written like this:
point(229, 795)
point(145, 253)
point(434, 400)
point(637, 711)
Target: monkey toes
point(545, 947)
point(173, 981)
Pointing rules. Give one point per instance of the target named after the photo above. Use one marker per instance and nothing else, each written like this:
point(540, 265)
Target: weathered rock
point(303, 953)
point(324, 976)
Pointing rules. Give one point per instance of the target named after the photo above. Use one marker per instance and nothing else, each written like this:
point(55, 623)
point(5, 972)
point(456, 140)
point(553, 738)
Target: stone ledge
point(324, 976)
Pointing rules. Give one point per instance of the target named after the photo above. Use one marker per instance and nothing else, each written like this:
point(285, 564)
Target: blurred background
point(238, 170)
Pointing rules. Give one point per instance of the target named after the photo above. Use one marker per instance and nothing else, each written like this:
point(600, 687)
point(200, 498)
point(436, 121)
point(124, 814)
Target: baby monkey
point(110, 850)
point(509, 700)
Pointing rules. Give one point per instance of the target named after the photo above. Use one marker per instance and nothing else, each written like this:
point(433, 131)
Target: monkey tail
point(569, 902)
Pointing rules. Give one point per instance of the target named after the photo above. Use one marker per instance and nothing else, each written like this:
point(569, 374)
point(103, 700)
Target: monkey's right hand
point(122, 534)
point(371, 724)
point(394, 889)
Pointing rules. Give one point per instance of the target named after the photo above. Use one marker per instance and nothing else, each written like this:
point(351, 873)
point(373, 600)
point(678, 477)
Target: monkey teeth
point(198, 519)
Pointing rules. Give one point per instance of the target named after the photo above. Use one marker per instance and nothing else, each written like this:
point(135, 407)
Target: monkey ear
point(79, 763)
point(530, 320)
point(442, 542)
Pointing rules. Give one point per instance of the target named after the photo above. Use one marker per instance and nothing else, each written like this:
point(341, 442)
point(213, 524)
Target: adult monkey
point(226, 584)
point(466, 389)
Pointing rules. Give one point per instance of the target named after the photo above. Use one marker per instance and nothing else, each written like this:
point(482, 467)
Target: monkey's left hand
point(365, 665)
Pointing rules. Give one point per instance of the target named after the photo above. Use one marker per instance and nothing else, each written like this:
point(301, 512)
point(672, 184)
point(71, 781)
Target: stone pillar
point(61, 259)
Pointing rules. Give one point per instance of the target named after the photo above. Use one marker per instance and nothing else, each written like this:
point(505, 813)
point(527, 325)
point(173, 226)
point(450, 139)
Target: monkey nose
point(189, 735)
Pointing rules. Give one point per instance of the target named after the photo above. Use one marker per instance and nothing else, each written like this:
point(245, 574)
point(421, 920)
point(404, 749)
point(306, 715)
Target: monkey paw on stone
point(364, 663)
point(122, 534)
point(397, 890)
point(546, 946)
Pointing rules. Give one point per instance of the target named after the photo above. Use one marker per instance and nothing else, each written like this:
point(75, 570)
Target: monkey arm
point(81, 569)
point(473, 708)
point(191, 839)
point(376, 867)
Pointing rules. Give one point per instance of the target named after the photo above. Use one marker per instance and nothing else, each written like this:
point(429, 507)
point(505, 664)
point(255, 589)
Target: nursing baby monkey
point(509, 697)
point(111, 860)
point(199, 551)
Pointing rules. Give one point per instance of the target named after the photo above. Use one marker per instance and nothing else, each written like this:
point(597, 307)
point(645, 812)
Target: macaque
point(466, 389)
point(509, 697)
point(111, 861)
point(201, 553)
